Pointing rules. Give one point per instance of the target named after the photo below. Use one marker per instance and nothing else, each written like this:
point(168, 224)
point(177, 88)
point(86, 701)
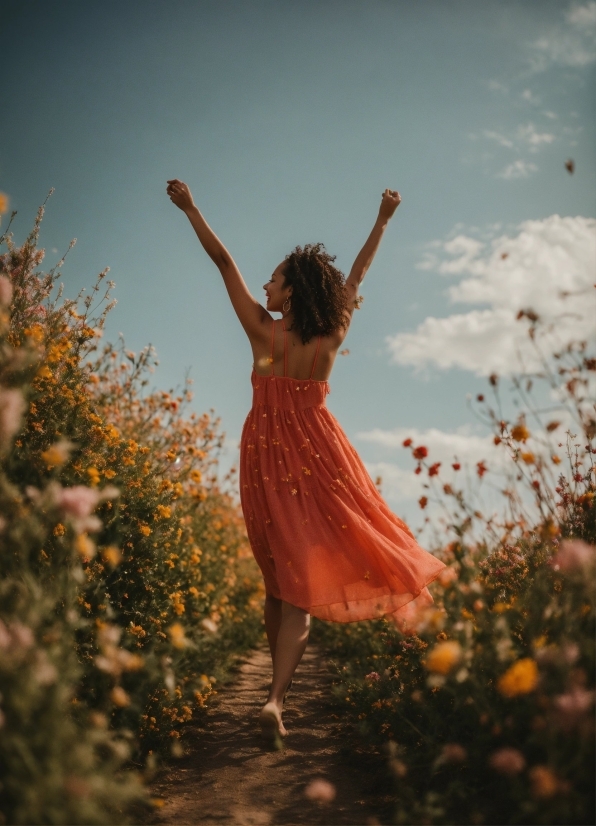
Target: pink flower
point(373, 677)
point(12, 406)
point(5, 291)
point(15, 639)
point(574, 555)
point(572, 706)
point(78, 501)
point(507, 761)
point(320, 790)
point(453, 753)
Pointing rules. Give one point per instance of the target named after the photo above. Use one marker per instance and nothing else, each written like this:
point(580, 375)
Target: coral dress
point(322, 535)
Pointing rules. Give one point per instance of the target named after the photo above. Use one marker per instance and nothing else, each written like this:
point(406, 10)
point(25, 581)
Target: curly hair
point(319, 298)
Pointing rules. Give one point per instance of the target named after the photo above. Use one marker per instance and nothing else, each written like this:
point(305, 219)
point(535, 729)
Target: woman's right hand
point(390, 200)
point(180, 194)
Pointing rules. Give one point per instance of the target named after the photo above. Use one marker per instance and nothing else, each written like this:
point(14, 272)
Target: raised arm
point(389, 203)
point(251, 314)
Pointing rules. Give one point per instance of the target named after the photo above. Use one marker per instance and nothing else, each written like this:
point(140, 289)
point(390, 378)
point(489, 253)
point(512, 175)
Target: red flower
point(480, 397)
point(456, 466)
point(420, 452)
point(406, 443)
point(434, 469)
point(423, 502)
point(418, 470)
point(481, 468)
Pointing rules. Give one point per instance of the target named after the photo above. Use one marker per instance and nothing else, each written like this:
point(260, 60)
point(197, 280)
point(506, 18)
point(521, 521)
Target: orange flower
point(520, 678)
point(443, 657)
point(112, 555)
point(177, 635)
point(85, 546)
point(520, 433)
point(544, 781)
point(119, 697)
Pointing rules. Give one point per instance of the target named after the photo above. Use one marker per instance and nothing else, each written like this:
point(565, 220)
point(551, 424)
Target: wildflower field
point(484, 703)
point(127, 587)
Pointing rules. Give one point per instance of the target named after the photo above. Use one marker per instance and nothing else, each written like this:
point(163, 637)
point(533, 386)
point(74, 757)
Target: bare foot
point(270, 722)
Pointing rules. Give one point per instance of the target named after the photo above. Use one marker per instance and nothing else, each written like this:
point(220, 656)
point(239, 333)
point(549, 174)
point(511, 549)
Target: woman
point(326, 542)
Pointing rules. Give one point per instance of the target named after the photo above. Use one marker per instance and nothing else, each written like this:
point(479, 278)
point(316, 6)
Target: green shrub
point(127, 583)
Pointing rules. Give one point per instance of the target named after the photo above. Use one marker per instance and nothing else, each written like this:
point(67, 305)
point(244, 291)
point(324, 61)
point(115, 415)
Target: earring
point(283, 306)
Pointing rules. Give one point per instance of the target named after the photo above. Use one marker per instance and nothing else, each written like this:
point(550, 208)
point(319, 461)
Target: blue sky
point(288, 119)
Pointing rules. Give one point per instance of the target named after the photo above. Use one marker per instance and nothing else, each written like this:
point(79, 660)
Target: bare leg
point(292, 636)
point(272, 622)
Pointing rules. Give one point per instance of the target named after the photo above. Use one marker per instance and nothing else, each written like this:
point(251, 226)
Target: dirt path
point(230, 777)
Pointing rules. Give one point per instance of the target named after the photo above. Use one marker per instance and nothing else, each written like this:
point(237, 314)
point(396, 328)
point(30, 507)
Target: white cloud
point(571, 44)
point(532, 138)
point(529, 270)
point(500, 139)
point(517, 169)
point(529, 96)
point(497, 86)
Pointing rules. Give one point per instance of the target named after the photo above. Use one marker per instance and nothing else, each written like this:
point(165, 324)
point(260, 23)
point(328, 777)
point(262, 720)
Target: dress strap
point(283, 324)
point(272, 345)
point(314, 364)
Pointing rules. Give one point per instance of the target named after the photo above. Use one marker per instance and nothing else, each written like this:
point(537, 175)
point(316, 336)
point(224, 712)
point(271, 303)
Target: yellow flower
point(93, 474)
point(520, 678)
point(196, 476)
point(59, 529)
point(500, 607)
point(444, 657)
point(3, 202)
point(556, 460)
point(44, 372)
point(84, 546)
point(145, 530)
point(57, 454)
point(528, 458)
point(164, 511)
point(112, 555)
point(177, 636)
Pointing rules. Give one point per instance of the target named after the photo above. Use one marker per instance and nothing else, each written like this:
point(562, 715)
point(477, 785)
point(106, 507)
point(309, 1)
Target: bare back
point(286, 355)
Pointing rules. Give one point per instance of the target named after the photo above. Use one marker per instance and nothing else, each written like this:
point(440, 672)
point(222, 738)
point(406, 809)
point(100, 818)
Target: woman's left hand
point(390, 201)
point(180, 194)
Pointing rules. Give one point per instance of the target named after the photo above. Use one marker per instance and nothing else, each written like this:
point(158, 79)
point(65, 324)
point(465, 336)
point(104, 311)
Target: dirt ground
point(229, 776)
